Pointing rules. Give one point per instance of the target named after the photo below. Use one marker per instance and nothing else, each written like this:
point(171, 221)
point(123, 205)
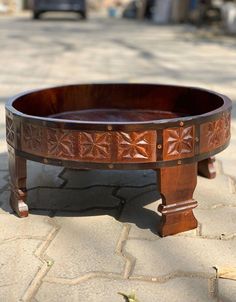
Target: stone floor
point(92, 234)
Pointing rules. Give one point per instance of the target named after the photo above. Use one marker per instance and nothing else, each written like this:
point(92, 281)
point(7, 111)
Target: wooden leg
point(206, 168)
point(17, 169)
point(176, 186)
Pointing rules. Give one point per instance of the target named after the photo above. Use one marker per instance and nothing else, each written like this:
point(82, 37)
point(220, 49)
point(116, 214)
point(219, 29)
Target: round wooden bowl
point(133, 126)
point(118, 126)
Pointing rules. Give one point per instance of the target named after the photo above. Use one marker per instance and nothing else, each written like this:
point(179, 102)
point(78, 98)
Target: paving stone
point(4, 203)
point(100, 198)
point(140, 211)
point(72, 199)
point(171, 254)
point(14, 227)
point(4, 183)
point(80, 179)
point(43, 175)
point(228, 157)
point(212, 193)
point(85, 244)
point(18, 266)
point(101, 290)
point(3, 161)
point(219, 222)
point(227, 290)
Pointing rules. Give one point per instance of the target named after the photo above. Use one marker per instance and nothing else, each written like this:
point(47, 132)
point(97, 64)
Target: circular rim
point(103, 125)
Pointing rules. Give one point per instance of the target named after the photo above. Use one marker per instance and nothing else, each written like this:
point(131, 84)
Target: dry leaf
point(226, 272)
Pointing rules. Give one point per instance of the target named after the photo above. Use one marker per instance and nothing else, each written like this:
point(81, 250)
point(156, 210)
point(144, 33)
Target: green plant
point(129, 298)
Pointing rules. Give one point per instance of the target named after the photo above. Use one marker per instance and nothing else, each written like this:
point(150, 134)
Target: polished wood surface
point(17, 170)
point(173, 130)
point(206, 168)
point(115, 115)
point(176, 186)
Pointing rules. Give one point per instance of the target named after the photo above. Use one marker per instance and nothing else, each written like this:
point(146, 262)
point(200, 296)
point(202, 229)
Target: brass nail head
point(109, 127)
point(159, 146)
point(181, 124)
point(110, 166)
point(179, 162)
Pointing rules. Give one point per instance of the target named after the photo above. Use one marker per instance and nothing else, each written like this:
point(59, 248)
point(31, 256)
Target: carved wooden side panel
point(95, 146)
point(104, 147)
point(61, 143)
point(215, 133)
point(136, 146)
point(178, 142)
point(10, 131)
point(32, 138)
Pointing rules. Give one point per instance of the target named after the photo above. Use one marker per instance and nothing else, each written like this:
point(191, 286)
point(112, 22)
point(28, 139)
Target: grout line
point(129, 259)
point(47, 263)
point(160, 279)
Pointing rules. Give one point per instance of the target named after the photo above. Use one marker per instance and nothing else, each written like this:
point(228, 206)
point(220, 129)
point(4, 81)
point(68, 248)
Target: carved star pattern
point(95, 146)
point(10, 130)
point(133, 145)
point(226, 119)
point(32, 137)
point(215, 133)
point(180, 141)
point(61, 143)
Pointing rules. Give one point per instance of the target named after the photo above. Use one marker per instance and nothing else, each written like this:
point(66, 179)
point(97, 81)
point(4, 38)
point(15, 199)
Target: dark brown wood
point(121, 126)
point(206, 168)
point(176, 186)
point(17, 169)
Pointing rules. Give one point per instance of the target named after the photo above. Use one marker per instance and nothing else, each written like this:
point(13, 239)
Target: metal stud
point(179, 162)
point(109, 127)
point(197, 139)
point(181, 124)
point(159, 146)
point(110, 166)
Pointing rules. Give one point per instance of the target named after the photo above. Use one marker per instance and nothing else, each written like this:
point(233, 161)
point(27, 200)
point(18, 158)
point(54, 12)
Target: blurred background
point(53, 42)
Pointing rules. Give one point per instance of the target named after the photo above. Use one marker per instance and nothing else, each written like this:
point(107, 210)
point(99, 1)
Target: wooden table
point(172, 130)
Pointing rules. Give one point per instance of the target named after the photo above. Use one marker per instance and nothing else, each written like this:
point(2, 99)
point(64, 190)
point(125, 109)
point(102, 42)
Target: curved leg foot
point(176, 185)
point(206, 168)
point(17, 169)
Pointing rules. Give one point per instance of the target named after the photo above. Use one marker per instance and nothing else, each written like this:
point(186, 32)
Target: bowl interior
point(117, 102)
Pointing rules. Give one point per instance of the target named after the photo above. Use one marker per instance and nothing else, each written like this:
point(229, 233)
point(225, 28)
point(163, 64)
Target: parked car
point(41, 6)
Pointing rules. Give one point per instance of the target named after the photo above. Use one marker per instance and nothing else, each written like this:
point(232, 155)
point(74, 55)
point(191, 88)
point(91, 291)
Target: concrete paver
point(4, 202)
point(40, 175)
point(18, 267)
point(227, 290)
point(117, 178)
point(217, 223)
point(212, 193)
point(36, 226)
point(86, 244)
point(100, 290)
point(72, 199)
point(182, 254)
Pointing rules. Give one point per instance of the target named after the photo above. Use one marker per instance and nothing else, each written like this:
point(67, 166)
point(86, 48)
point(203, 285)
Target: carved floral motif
point(226, 120)
point(100, 146)
point(10, 131)
point(32, 137)
point(215, 133)
point(135, 145)
point(60, 143)
point(95, 146)
point(179, 142)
